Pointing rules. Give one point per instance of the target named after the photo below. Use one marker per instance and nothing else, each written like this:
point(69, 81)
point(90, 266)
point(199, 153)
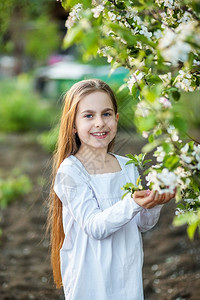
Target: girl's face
point(96, 121)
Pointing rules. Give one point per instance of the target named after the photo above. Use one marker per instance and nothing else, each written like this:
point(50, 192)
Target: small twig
point(193, 139)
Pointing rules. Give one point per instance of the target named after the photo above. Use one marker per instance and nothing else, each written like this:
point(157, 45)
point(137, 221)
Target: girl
point(95, 236)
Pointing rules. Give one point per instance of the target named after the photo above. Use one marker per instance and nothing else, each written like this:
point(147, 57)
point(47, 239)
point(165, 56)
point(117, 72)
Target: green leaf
point(152, 93)
point(176, 95)
point(167, 147)
point(138, 180)
point(135, 92)
point(151, 138)
point(147, 161)
point(90, 42)
point(171, 162)
point(70, 3)
point(145, 124)
point(181, 206)
point(150, 146)
point(124, 33)
point(179, 123)
point(130, 156)
point(153, 79)
point(135, 162)
point(124, 195)
point(191, 229)
point(178, 195)
point(194, 185)
point(73, 35)
point(141, 156)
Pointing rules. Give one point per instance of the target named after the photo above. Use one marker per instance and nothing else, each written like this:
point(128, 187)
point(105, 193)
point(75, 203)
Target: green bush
point(48, 139)
point(20, 107)
point(38, 46)
point(12, 188)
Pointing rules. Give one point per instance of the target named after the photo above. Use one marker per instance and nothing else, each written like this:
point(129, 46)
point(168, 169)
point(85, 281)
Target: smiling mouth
point(100, 134)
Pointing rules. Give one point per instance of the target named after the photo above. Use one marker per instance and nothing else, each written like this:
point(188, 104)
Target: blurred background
point(35, 72)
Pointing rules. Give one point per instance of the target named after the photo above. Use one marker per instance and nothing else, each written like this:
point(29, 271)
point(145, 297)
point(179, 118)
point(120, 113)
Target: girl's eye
point(88, 116)
point(107, 114)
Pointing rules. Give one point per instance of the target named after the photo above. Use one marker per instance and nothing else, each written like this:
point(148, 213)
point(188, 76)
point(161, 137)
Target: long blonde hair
point(68, 144)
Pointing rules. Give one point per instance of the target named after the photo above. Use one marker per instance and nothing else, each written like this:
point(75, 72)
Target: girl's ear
point(117, 117)
point(74, 130)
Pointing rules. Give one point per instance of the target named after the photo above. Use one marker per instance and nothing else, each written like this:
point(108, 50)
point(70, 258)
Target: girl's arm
point(74, 192)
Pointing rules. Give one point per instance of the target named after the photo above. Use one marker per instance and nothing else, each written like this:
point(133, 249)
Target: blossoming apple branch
point(159, 43)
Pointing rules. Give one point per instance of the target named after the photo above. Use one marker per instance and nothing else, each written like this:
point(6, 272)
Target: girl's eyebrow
point(92, 111)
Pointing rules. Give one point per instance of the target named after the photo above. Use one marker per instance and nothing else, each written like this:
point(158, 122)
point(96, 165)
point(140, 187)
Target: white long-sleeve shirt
point(102, 255)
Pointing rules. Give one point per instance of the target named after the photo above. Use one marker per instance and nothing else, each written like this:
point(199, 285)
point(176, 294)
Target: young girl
point(95, 235)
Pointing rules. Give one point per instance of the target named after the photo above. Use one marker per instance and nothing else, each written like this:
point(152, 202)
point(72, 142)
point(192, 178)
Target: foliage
point(20, 108)
point(48, 139)
point(41, 28)
point(129, 187)
point(25, 26)
point(5, 11)
point(159, 43)
point(140, 162)
point(12, 188)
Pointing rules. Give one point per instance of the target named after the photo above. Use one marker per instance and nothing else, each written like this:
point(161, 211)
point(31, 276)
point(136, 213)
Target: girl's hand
point(149, 199)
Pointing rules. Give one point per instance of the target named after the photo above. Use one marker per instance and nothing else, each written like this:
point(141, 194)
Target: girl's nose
point(99, 122)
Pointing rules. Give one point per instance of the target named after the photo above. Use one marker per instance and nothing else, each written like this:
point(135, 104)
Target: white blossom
point(185, 18)
point(166, 78)
point(137, 20)
point(168, 3)
point(165, 102)
point(74, 15)
point(145, 32)
point(145, 134)
point(184, 154)
point(164, 182)
point(167, 39)
point(136, 76)
point(196, 62)
point(179, 211)
point(173, 132)
point(159, 154)
point(173, 44)
point(186, 159)
point(105, 51)
point(190, 201)
point(185, 148)
point(112, 16)
point(142, 109)
point(184, 81)
point(158, 34)
point(97, 10)
point(130, 12)
point(196, 154)
point(183, 179)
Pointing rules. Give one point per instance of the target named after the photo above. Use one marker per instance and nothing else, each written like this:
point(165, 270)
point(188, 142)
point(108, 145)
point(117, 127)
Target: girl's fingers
point(149, 199)
point(157, 197)
point(141, 194)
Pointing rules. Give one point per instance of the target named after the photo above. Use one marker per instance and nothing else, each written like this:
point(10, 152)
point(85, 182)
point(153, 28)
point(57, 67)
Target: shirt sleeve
point(75, 193)
point(147, 218)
